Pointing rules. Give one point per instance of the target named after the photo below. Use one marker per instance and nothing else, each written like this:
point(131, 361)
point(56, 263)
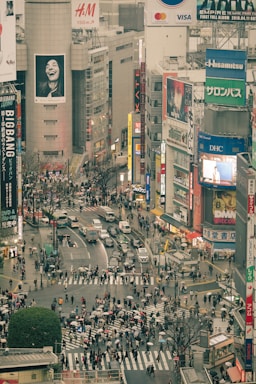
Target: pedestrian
point(72, 299)
point(191, 293)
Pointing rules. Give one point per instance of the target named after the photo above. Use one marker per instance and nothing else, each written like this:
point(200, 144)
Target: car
point(143, 255)
point(82, 230)
point(103, 234)
point(129, 263)
point(108, 242)
point(136, 243)
point(116, 254)
point(130, 254)
point(121, 239)
point(97, 224)
point(124, 248)
point(113, 265)
point(112, 230)
point(45, 220)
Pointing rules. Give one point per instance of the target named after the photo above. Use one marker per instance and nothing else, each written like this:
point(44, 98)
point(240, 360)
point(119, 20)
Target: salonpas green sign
point(250, 274)
point(225, 92)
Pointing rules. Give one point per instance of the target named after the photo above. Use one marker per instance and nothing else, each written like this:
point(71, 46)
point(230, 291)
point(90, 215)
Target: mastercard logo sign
point(160, 16)
point(171, 3)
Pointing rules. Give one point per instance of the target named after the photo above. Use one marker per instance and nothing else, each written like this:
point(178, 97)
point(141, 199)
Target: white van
point(143, 255)
point(97, 224)
point(124, 227)
point(73, 222)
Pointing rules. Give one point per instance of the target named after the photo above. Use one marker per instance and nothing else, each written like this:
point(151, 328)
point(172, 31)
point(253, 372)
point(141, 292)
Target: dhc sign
point(171, 3)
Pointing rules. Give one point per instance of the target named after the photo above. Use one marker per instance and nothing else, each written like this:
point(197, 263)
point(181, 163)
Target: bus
point(73, 222)
point(107, 213)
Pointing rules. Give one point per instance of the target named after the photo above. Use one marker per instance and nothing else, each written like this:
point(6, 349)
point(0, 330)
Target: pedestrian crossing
point(155, 316)
point(161, 361)
point(134, 280)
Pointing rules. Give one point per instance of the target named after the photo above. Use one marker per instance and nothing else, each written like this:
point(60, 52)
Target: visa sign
point(183, 17)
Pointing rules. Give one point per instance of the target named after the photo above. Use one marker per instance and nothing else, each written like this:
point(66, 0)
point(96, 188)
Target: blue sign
point(220, 145)
point(148, 188)
point(226, 64)
point(171, 3)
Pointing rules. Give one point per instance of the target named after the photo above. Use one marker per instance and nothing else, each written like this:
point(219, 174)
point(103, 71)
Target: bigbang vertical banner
point(8, 161)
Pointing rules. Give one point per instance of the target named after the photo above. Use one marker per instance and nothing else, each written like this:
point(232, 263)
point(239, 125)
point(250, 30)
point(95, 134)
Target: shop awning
point(224, 245)
point(170, 220)
point(156, 211)
point(234, 374)
point(193, 235)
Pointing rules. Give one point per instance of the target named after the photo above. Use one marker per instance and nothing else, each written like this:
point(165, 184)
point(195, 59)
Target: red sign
point(250, 204)
point(249, 311)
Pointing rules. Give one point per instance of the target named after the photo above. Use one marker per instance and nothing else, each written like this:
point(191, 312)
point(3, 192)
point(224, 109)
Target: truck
point(91, 234)
point(124, 227)
point(106, 213)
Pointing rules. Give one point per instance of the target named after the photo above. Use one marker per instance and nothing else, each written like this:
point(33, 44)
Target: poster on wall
point(8, 161)
point(226, 10)
point(50, 78)
point(224, 207)
point(179, 100)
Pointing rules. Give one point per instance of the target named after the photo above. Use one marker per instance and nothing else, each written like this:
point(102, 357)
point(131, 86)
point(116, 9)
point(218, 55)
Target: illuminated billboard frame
point(179, 100)
point(217, 160)
point(8, 41)
point(8, 161)
point(50, 78)
point(226, 10)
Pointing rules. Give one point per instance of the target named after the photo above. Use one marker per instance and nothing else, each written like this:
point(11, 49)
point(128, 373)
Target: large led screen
point(49, 79)
point(218, 170)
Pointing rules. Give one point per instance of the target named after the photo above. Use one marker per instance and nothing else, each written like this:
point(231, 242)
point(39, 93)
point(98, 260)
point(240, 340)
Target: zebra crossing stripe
point(168, 353)
point(140, 362)
point(164, 361)
point(157, 363)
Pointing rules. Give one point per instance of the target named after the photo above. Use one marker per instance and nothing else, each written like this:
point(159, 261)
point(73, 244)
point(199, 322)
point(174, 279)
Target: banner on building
point(8, 41)
point(8, 161)
point(227, 10)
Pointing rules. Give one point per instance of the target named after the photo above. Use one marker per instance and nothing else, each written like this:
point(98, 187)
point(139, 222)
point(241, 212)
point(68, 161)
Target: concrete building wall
point(163, 42)
point(48, 32)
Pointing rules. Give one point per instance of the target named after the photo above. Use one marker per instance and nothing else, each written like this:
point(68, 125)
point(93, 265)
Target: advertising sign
point(219, 235)
point(137, 91)
point(224, 207)
point(136, 148)
point(217, 160)
point(7, 41)
point(248, 354)
point(226, 64)
point(226, 10)
point(50, 79)
point(148, 188)
point(169, 12)
point(85, 14)
point(179, 100)
point(225, 92)
point(8, 161)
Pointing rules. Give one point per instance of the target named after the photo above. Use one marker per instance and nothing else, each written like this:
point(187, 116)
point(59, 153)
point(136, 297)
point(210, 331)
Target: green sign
point(228, 92)
point(249, 274)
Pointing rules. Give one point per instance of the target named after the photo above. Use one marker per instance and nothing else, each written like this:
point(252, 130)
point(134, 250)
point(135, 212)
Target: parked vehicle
point(103, 234)
point(112, 230)
point(106, 213)
point(113, 264)
point(108, 242)
point(124, 227)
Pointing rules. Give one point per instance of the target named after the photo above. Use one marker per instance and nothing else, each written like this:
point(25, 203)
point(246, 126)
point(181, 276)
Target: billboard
point(170, 12)
point(179, 100)
point(217, 160)
point(227, 92)
point(226, 10)
point(50, 78)
point(85, 14)
point(8, 161)
point(7, 41)
point(226, 64)
point(137, 91)
point(224, 207)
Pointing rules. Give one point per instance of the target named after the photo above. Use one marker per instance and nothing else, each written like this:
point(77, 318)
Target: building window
point(124, 46)
point(126, 60)
point(50, 137)
point(50, 122)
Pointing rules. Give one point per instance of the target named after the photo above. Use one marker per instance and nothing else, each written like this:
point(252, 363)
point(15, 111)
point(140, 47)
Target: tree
point(34, 327)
